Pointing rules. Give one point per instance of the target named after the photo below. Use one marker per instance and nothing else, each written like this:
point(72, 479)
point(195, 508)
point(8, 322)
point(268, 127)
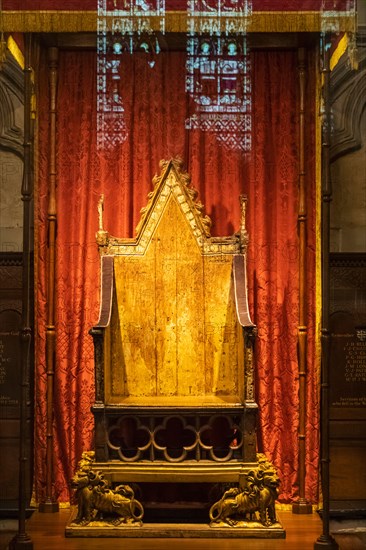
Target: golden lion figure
point(258, 495)
point(96, 500)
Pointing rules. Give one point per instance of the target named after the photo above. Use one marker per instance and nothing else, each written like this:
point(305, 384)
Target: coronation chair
point(174, 371)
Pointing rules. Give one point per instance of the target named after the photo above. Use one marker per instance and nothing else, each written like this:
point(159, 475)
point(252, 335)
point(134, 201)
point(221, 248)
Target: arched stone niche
point(11, 156)
point(348, 154)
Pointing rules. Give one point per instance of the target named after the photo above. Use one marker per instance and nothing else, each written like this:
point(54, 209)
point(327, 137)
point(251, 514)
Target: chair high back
point(173, 344)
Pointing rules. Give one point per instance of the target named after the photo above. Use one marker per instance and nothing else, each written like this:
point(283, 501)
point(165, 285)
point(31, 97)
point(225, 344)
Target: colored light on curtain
point(156, 107)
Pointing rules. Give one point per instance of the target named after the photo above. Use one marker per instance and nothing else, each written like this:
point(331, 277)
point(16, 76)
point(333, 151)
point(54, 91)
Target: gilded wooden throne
point(173, 346)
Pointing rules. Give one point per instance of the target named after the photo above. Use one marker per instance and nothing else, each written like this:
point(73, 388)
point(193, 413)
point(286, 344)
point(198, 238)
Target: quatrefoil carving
point(129, 438)
point(174, 437)
point(221, 436)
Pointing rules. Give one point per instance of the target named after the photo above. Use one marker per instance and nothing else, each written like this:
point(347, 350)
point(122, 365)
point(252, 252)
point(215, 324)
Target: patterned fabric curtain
point(156, 107)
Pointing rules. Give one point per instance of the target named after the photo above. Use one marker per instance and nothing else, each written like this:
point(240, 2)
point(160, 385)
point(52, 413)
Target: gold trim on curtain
point(176, 21)
point(339, 51)
point(15, 51)
point(318, 240)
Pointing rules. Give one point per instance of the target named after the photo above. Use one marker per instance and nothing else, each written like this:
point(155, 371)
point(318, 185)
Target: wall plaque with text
point(347, 383)
point(9, 372)
point(348, 371)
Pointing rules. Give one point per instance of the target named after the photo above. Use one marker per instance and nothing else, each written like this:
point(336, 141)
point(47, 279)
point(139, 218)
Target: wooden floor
point(47, 533)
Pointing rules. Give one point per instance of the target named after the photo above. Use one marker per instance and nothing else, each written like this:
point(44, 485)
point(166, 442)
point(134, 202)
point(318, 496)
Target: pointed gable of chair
point(172, 192)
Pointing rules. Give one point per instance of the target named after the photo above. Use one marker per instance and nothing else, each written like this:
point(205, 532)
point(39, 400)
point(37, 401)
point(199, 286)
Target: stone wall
point(348, 151)
point(11, 156)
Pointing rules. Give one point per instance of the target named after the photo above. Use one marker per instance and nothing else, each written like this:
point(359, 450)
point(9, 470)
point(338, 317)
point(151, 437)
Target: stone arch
point(11, 99)
point(349, 94)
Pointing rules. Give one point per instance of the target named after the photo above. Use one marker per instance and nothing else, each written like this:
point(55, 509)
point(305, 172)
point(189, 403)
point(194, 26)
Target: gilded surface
point(174, 324)
point(98, 503)
point(253, 503)
point(174, 334)
point(173, 182)
point(86, 21)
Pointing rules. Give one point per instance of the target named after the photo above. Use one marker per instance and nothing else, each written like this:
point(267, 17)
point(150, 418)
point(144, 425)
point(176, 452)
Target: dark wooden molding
point(302, 506)
point(11, 259)
point(347, 259)
point(22, 539)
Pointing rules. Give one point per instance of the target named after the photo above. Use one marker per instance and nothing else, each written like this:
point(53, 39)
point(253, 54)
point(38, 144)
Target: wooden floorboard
point(47, 533)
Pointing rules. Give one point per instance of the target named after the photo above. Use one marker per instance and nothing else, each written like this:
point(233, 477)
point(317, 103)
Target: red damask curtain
point(156, 107)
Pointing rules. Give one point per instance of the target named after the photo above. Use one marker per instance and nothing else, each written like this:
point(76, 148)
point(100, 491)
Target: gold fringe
point(288, 507)
point(318, 240)
point(62, 505)
point(15, 51)
point(86, 21)
point(318, 203)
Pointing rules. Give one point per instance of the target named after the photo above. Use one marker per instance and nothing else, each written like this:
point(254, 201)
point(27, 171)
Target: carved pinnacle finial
point(244, 238)
point(101, 235)
point(100, 212)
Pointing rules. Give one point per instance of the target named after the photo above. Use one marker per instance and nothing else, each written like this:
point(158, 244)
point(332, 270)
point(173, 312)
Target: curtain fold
point(156, 107)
